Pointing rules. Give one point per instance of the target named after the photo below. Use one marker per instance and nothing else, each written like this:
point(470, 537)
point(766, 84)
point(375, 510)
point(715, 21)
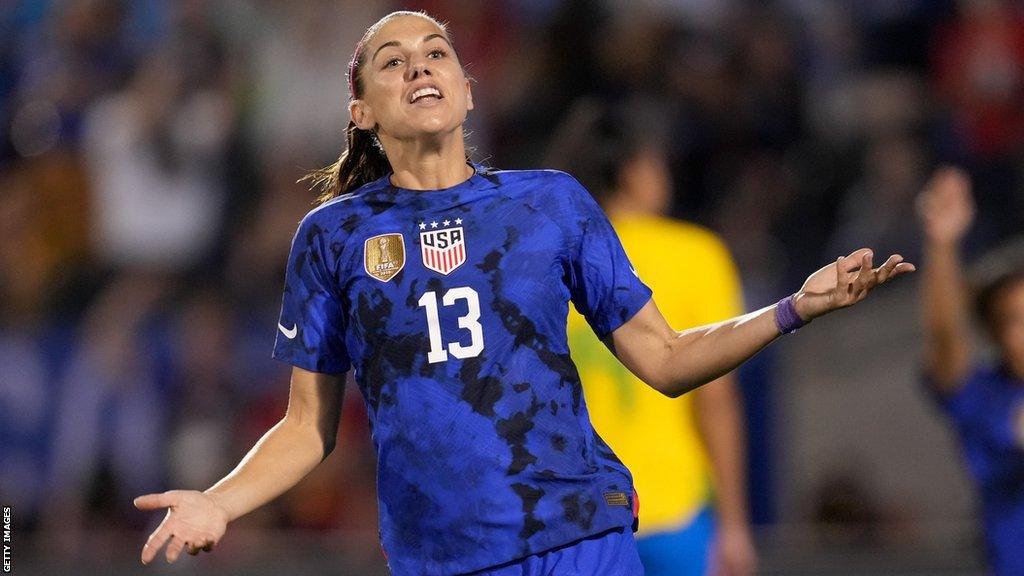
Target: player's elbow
point(664, 383)
point(310, 435)
point(671, 382)
point(674, 391)
point(668, 391)
point(326, 440)
point(674, 388)
point(658, 373)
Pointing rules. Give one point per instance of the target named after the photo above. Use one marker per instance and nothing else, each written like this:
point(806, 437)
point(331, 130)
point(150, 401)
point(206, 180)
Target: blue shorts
point(684, 552)
point(611, 553)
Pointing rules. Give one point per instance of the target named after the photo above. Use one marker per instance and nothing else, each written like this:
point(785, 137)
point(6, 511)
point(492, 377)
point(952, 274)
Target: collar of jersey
point(483, 178)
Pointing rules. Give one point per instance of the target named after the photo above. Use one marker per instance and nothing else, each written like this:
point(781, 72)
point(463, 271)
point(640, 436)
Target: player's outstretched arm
point(196, 521)
point(675, 362)
point(946, 209)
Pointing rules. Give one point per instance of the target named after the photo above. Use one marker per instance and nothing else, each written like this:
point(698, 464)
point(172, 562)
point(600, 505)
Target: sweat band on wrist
point(786, 318)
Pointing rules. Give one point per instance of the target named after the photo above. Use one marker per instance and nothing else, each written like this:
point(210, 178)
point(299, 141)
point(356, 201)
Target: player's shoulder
point(532, 179)
point(343, 212)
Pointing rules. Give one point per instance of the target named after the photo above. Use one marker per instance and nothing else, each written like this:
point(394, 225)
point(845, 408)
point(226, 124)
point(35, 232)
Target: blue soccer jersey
point(984, 411)
point(451, 306)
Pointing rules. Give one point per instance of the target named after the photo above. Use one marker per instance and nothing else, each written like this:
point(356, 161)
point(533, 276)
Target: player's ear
point(469, 94)
point(362, 114)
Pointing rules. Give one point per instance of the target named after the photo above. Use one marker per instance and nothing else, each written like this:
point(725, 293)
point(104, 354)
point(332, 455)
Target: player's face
point(1010, 334)
point(413, 83)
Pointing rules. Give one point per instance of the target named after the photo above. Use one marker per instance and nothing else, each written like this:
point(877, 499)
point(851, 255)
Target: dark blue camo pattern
point(489, 458)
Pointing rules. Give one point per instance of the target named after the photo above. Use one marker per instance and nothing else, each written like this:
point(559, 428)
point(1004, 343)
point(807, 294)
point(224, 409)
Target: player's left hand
point(846, 282)
point(733, 553)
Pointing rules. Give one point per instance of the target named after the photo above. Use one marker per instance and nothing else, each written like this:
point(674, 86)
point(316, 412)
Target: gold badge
point(384, 256)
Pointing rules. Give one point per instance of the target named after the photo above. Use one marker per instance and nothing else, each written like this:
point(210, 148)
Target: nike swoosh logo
point(289, 334)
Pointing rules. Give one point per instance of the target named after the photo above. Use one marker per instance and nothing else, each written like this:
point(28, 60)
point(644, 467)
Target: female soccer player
point(986, 403)
point(446, 286)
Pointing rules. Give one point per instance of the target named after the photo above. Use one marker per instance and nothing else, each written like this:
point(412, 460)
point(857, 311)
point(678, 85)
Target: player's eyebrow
point(426, 38)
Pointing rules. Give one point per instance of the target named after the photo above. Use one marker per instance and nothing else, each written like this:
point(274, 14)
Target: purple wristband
point(786, 318)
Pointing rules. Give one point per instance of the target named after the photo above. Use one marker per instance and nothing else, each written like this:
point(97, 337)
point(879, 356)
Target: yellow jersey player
point(687, 455)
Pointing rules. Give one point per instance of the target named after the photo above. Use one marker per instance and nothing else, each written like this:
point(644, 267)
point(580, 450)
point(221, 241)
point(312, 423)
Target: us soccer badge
point(384, 256)
point(443, 249)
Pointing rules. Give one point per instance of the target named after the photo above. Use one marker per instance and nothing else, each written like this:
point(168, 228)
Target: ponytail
point(362, 161)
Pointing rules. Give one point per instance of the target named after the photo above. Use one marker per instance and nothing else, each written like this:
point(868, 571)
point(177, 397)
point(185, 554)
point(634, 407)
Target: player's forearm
point(945, 311)
point(699, 355)
point(720, 419)
point(282, 457)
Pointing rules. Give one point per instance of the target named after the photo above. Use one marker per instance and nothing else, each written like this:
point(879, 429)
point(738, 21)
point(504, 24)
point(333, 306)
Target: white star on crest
point(433, 224)
point(423, 225)
point(458, 220)
point(446, 222)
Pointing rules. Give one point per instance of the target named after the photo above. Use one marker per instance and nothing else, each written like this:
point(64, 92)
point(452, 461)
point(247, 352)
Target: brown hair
point(985, 302)
point(363, 159)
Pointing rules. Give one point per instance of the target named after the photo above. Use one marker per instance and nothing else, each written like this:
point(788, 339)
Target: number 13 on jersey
point(471, 322)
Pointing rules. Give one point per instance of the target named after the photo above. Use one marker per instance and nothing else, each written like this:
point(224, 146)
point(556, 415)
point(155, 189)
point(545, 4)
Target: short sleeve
point(603, 285)
point(310, 332)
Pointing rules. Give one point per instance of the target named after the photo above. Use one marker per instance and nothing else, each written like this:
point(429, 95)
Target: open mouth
point(425, 94)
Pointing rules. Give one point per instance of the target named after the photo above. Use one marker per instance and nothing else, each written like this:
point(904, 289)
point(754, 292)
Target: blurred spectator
point(205, 387)
point(110, 415)
point(301, 92)
point(979, 71)
point(156, 154)
point(748, 215)
point(979, 79)
point(78, 54)
point(984, 401)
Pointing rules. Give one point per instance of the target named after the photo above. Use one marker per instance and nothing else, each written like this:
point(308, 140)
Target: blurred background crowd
point(149, 152)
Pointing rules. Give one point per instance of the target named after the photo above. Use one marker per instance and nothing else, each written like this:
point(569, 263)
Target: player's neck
point(429, 164)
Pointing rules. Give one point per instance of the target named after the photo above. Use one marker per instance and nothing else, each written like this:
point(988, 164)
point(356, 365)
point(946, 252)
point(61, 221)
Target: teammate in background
point(985, 403)
point(456, 330)
point(687, 455)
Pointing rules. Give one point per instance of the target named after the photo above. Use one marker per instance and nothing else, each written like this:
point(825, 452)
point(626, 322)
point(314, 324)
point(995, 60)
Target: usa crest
point(443, 250)
point(384, 256)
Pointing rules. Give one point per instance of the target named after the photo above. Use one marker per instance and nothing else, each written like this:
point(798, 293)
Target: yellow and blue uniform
point(656, 436)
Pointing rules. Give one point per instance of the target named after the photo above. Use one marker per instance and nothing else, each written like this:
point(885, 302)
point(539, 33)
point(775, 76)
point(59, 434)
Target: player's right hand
point(946, 206)
point(194, 521)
